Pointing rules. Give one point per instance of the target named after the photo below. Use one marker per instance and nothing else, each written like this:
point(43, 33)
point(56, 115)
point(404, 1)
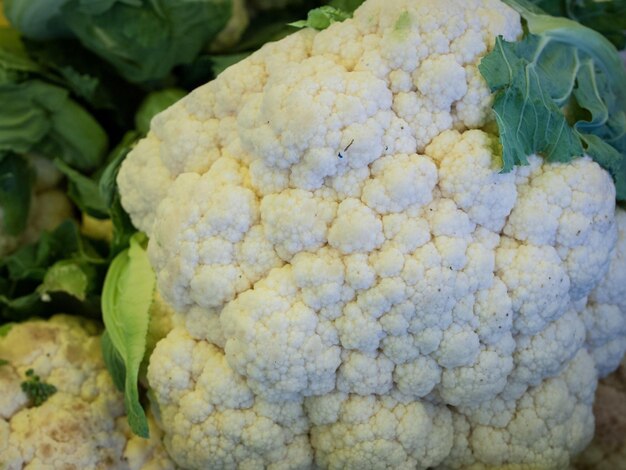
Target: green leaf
point(84, 192)
point(88, 77)
point(608, 17)
point(126, 298)
point(123, 228)
point(145, 40)
point(16, 181)
point(68, 276)
point(14, 59)
point(23, 273)
point(39, 117)
point(153, 104)
point(3, 362)
point(38, 19)
point(36, 390)
point(32, 261)
point(322, 17)
point(107, 185)
point(559, 92)
point(113, 361)
point(529, 119)
point(21, 307)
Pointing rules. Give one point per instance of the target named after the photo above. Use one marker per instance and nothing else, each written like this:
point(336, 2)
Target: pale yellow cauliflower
point(82, 425)
point(356, 284)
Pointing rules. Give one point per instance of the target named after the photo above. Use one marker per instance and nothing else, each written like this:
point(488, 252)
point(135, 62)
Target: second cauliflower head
point(356, 284)
point(82, 423)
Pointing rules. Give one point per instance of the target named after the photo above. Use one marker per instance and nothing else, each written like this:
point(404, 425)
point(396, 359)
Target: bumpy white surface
point(83, 424)
point(356, 284)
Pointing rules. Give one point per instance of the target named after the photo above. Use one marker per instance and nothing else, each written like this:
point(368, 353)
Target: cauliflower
point(355, 283)
point(82, 424)
point(49, 206)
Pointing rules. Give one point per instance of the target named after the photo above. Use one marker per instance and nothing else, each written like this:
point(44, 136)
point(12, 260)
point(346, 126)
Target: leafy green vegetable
point(83, 191)
point(16, 181)
point(126, 298)
point(32, 283)
point(322, 17)
point(38, 115)
point(145, 39)
point(88, 78)
point(113, 361)
point(14, 60)
point(36, 390)
point(123, 228)
point(153, 104)
point(608, 17)
point(68, 276)
point(38, 19)
point(3, 362)
point(558, 92)
point(106, 183)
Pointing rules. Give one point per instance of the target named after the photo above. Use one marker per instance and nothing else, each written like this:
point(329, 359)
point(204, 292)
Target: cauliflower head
point(355, 283)
point(81, 425)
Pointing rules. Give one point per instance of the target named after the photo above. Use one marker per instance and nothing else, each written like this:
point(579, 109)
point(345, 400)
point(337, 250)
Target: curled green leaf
point(560, 92)
point(126, 298)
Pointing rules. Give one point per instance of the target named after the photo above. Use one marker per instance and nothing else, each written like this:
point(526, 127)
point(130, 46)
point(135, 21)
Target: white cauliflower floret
point(378, 432)
point(216, 417)
point(332, 228)
point(541, 429)
point(83, 423)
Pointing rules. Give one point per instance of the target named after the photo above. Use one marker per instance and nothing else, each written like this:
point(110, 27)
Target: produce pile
point(278, 234)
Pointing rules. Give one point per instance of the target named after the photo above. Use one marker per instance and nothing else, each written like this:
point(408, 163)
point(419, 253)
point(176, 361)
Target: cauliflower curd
point(82, 425)
point(356, 284)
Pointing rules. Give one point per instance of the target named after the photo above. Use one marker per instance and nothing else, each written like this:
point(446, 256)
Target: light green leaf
point(126, 298)
point(322, 17)
point(69, 277)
